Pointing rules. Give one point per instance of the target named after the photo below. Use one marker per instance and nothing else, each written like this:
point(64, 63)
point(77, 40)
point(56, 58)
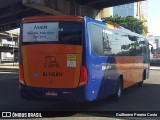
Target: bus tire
point(119, 89)
point(140, 84)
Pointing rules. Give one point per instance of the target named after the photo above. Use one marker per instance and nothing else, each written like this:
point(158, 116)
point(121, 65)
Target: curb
point(155, 69)
point(9, 70)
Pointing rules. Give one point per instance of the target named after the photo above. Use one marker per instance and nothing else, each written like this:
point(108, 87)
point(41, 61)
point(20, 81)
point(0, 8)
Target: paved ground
point(154, 67)
point(133, 99)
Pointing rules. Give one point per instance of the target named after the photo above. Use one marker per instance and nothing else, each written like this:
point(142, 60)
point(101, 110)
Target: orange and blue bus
point(79, 58)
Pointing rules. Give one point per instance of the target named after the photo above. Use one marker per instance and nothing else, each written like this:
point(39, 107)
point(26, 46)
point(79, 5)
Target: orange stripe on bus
point(132, 69)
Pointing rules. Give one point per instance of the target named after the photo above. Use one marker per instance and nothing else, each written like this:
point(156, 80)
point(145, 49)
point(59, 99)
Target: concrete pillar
point(103, 13)
point(62, 7)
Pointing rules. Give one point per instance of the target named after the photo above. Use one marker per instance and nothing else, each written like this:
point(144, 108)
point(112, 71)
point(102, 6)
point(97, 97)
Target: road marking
point(7, 77)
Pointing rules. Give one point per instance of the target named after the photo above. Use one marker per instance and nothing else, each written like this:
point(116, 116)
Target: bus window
point(107, 37)
point(96, 39)
point(130, 45)
point(145, 49)
point(115, 39)
point(53, 32)
point(70, 33)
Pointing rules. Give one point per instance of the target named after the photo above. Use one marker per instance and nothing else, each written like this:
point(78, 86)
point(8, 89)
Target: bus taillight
point(83, 76)
point(21, 74)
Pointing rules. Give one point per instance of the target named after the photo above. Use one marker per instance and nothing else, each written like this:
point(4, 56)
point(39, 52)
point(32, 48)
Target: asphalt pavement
point(134, 99)
point(147, 100)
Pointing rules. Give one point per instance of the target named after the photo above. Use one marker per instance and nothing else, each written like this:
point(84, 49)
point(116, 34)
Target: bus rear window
point(52, 32)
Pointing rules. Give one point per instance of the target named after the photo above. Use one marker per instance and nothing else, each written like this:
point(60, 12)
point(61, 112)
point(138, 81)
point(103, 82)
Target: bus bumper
point(50, 94)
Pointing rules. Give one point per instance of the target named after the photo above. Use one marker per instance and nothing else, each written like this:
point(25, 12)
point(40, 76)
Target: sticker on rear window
point(71, 57)
point(71, 60)
point(71, 63)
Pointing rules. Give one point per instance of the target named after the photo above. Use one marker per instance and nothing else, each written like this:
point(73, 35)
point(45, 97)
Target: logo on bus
point(51, 62)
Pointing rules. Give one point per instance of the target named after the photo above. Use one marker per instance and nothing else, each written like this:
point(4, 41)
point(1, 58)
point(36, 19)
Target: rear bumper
point(50, 94)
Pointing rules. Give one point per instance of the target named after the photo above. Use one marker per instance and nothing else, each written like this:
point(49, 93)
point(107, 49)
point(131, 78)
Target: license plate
point(51, 93)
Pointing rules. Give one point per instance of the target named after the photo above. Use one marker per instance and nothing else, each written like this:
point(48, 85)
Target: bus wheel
point(119, 90)
point(140, 84)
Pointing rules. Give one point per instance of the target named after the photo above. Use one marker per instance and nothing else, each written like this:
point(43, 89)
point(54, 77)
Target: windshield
point(52, 32)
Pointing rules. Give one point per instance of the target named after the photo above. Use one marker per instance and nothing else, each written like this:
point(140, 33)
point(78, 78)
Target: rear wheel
point(140, 84)
point(119, 90)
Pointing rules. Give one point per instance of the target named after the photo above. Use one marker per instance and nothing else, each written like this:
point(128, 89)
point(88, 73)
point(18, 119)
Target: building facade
point(155, 42)
point(138, 10)
point(151, 40)
point(105, 12)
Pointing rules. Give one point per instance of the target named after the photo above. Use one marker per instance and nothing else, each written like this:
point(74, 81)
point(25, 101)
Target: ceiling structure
point(12, 11)
point(99, 4)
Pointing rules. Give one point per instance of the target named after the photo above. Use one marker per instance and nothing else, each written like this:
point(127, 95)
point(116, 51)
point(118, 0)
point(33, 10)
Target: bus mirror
point(152, 51)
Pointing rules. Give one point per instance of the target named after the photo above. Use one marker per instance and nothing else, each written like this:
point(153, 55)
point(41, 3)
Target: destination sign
point(40, 32)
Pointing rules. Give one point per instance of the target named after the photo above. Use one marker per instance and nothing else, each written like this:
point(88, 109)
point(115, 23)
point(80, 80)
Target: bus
point(73, 58)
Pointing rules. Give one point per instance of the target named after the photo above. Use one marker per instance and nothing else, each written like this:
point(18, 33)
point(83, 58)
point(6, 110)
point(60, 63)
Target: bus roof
point(122, 29)
point(51, 18)
point(117, 27)
point(77, 19)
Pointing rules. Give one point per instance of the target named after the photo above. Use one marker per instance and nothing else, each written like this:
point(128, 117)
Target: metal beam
point(13, 21)
point(41, 5)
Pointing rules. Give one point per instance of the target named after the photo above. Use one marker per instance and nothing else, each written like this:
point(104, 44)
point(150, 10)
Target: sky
point(154, 17)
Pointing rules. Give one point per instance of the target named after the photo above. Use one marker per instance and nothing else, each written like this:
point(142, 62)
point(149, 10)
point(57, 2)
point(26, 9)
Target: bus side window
point(134, 46)
point(124, 44)
point(111, 42)
point(96, 38)
point(130, 45)
point(145, 50)
point(106, 43)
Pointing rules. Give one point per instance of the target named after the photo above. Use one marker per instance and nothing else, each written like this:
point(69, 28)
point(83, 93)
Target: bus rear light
point(21, 75)
point(83, 76)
